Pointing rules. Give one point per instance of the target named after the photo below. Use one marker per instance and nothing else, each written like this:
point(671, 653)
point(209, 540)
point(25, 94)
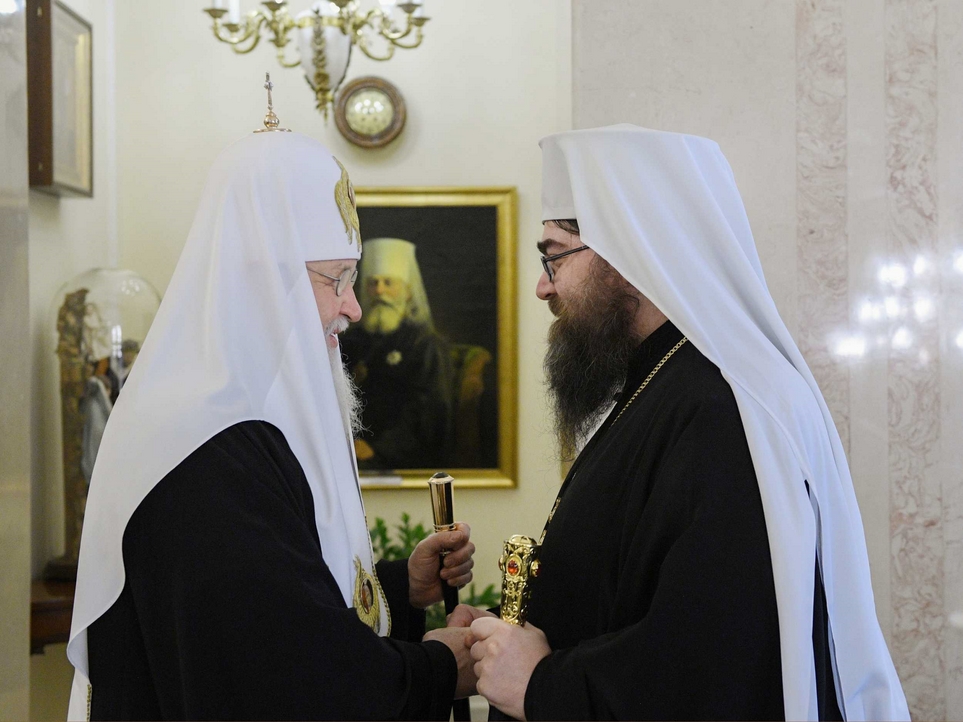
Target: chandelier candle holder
point(325, 33)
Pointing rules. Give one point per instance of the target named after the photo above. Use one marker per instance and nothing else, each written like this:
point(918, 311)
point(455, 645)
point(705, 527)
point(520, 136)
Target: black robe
point(230, 612)
point(656, 589)
point(407, 382)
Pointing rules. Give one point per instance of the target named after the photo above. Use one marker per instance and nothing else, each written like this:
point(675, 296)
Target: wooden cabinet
point(51, 606)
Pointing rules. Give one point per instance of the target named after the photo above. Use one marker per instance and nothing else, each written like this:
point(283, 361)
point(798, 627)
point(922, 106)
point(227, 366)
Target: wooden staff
point(440, 486)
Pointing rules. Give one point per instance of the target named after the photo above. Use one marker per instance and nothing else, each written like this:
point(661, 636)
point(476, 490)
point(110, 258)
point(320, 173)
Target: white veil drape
point(395, 257)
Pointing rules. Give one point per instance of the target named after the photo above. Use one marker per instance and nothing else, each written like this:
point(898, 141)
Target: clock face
point(369, 111)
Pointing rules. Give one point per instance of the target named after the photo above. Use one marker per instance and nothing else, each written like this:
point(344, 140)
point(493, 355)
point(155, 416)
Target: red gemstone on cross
point(512, 567)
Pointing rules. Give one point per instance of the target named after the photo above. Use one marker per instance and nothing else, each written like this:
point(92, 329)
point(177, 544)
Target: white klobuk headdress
point(663, 209)
point(395, 257)
point(237, 338)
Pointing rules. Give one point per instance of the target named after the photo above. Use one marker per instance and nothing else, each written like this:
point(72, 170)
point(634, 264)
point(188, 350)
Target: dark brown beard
point(590, 344)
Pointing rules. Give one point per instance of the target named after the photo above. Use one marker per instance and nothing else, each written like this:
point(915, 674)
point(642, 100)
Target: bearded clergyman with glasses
point(704, 558)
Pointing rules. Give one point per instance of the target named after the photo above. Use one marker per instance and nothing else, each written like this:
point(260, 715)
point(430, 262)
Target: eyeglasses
point(344, 281)
point(548, 260)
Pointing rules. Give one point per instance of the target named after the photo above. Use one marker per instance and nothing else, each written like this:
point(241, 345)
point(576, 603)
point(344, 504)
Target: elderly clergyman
point(401, 365)
point(705, 558)
point(226, 569)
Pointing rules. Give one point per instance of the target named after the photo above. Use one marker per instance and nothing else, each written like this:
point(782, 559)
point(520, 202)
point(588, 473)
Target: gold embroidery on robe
point(367, 597)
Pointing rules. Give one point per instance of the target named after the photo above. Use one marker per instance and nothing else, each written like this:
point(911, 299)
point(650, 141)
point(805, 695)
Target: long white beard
point(349, 396)
point(383, 317)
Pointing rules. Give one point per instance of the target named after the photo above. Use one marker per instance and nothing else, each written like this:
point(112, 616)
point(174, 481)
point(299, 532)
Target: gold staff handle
point(519, 564)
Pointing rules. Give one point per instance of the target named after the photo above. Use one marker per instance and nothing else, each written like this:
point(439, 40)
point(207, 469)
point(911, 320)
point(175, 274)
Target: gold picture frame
point(464, 242)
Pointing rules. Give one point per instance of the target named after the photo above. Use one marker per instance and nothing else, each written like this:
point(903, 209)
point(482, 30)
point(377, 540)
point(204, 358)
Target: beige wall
point(15, 380)
point(67, 236)
point(50, 678)
point(477, 105)
point(842, 121)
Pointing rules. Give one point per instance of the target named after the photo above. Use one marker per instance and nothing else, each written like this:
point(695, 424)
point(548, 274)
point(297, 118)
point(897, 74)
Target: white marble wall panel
point(914, 359)
point(822, 244)
point(866, 222)
point(950, 266)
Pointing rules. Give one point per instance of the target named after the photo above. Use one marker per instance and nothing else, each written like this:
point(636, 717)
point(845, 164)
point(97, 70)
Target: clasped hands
point(496, 658)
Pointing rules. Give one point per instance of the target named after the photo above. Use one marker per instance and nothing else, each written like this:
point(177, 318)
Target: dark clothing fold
point(230, 612)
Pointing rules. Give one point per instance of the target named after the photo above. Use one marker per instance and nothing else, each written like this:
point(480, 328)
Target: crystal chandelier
point(325, 33)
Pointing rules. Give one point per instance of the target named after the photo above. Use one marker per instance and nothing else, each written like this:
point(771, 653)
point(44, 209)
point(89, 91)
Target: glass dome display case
point(100, 320)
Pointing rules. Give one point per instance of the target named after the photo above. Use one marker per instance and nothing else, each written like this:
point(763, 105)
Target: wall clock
point(370, 112)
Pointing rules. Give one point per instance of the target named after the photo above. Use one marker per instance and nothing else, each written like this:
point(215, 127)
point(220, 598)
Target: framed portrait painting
point(60, 99)
point(434, 356)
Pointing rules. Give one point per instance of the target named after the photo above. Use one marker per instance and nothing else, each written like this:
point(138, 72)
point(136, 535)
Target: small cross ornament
point(271, 121)
point(269, 86)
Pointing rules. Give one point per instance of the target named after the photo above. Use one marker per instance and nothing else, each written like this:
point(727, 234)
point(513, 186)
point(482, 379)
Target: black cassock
point(406, 379)
point(656, 589)
point(230, 612)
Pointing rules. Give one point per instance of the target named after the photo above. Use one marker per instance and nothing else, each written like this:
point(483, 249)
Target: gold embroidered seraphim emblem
point(367, 600)
point(344, 196)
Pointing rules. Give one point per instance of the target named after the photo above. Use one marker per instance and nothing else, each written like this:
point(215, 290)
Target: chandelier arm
point(225, 35)
point(252, 32)
point(362, 20)
point(395, 35)
point(281, 24)
point(413, 44)
point(284, 62)
point(255, 41)
point(362, 43)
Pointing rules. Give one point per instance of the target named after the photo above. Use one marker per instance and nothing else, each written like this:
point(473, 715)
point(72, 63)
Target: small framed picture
point(60, 99)
point(434, 355)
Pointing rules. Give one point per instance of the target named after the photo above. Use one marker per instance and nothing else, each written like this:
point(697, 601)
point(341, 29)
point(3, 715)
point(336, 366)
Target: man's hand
point(424, 578)
point(465, 614)
point(505, 657)
point(455, 640)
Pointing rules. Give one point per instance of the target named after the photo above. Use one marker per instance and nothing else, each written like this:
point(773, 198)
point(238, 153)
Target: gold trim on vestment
point(367, 597)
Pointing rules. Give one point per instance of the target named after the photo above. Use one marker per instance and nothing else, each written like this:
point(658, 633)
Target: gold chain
point(628, 403)
point(649, 377)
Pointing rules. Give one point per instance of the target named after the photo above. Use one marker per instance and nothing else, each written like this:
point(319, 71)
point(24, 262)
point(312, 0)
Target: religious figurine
point(101, 319)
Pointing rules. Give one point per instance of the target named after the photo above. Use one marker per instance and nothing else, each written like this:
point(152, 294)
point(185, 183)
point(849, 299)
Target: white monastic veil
point(237, 338)
point(663, 209)
point(395, 257)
